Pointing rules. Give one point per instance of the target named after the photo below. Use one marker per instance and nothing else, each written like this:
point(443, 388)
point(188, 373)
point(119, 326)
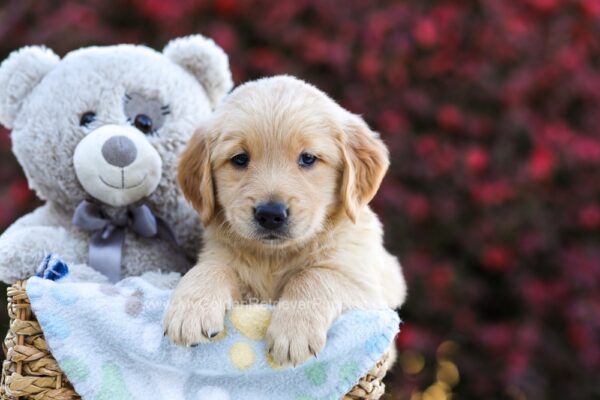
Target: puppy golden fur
point(282, 141)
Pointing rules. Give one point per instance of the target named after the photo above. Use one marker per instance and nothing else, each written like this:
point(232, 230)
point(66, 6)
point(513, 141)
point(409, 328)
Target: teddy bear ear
point(19, 74)
point(205, 60)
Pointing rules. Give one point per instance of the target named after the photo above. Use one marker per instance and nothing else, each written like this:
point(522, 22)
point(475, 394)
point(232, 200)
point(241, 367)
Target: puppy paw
point(190, 321)
point(293, 337)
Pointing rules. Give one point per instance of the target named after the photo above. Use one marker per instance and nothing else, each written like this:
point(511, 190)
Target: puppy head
point(278, 160)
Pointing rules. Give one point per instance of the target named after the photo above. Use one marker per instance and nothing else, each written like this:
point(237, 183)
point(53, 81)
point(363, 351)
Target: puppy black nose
point(119, 151)
point(271, 215)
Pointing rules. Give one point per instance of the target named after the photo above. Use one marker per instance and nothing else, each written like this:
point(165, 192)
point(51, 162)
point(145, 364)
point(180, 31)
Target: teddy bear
point(98, 134)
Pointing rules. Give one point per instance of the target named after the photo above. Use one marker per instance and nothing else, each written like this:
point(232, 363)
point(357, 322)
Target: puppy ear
point(365, 161)
point(19, 74)
point(206, 61)
point(194, 174)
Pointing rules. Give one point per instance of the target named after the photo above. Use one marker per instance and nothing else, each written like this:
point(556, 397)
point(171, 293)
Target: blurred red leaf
point(497, 258)
point(425, 32)
point(477, 160)
point(541, 163)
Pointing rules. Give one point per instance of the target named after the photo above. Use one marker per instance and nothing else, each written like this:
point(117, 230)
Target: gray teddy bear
point(98, 135)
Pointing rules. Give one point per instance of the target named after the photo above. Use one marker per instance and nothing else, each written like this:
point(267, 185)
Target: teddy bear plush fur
point(106, 124)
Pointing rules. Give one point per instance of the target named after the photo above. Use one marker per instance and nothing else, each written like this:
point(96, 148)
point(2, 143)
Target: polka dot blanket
point(108, 339)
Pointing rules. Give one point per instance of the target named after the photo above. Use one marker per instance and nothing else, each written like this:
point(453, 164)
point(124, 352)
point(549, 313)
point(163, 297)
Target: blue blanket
point(108, 339)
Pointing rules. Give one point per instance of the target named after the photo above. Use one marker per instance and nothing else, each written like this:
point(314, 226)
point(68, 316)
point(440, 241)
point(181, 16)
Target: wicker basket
point(30, 371)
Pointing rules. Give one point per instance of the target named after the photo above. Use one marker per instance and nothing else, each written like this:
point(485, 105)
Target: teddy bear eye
point(147, 114)
point(87, 118)
point(143, 123)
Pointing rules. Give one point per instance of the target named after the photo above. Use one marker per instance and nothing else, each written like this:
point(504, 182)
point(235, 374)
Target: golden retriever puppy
point(281, 176)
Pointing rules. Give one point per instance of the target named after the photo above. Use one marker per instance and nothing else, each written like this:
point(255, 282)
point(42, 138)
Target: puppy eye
point(87, 118)
point(241, 160)
point(143, 123)
point(306, 159)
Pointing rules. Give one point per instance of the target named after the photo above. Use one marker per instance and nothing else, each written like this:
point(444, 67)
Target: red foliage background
point(491, 111)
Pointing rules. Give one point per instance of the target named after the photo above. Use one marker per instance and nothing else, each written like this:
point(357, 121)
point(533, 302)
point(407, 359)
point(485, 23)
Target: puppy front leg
point(196, 312)
point(310, 301)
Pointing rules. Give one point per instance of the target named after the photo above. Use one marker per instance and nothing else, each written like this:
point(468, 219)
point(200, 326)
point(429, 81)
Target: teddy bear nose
point(119, 151)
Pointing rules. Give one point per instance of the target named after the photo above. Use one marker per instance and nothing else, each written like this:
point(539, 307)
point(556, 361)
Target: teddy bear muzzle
point(117, 165)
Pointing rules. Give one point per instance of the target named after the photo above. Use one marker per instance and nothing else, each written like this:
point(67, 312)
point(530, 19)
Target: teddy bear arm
point(46, 215)
point(22, 249)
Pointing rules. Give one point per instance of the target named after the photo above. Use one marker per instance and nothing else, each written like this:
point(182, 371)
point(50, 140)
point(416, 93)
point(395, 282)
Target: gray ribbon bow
point(106, 244)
